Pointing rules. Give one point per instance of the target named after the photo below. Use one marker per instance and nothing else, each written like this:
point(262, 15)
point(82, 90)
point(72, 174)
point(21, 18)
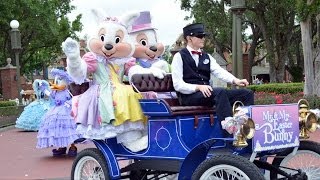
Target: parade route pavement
point(20, 159)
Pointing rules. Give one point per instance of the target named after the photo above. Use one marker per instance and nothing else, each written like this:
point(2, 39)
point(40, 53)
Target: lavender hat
point(142, 22)
point(61, 73)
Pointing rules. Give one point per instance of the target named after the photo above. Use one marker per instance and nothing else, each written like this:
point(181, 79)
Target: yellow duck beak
point(57, 87)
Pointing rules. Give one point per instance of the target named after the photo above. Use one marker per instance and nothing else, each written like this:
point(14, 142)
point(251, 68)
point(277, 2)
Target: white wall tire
point(227, 167)
point(90, 164)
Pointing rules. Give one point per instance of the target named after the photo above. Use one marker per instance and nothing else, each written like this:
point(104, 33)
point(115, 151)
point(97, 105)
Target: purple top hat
point(142, 22)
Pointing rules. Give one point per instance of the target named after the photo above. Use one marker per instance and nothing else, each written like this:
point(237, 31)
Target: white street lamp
point(16, 47)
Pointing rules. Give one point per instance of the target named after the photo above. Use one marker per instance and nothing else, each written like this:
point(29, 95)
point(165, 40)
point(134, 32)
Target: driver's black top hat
point(193, 29)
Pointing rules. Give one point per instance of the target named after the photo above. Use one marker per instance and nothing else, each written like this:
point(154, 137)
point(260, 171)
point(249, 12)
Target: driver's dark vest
point(193, 74)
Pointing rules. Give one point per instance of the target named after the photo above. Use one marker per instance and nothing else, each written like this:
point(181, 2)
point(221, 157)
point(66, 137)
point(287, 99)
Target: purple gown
point(58, 128)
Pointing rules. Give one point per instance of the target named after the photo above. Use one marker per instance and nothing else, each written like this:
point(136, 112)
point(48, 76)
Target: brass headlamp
point(308, 121)
point(246, 128)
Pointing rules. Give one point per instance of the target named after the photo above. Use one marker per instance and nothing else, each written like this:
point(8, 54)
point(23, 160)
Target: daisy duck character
point(58, 128)
point(148, 50)
point(108, 108)
point(32, 114)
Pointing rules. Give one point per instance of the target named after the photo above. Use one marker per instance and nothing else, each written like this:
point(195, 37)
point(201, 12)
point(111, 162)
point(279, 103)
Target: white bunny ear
point(99, 15)
point(129, 18)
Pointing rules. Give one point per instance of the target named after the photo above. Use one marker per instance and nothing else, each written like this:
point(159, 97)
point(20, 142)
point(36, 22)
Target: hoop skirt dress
point(31, 117)
point(108, 108)
point(58, 128)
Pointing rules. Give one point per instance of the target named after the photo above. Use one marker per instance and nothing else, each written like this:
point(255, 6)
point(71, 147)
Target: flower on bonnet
point(112, 20)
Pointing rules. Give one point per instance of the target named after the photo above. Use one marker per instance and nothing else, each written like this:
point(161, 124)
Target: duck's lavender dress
point(58, 128)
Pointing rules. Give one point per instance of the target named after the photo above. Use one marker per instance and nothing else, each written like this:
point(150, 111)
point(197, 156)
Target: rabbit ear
point(129, 18)
point(99, 15)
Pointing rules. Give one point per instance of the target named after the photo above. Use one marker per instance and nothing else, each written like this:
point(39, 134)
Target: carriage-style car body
point(189, 140)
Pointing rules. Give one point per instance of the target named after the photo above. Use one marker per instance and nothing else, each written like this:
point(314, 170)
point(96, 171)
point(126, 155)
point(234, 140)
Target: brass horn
point(248, 129)
point(311, 122)
point(235, 106)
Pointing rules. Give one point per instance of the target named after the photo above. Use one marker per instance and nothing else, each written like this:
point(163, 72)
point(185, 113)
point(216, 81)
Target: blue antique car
point(188, 142)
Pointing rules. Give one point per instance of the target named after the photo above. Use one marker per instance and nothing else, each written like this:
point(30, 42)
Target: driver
point(191, 72)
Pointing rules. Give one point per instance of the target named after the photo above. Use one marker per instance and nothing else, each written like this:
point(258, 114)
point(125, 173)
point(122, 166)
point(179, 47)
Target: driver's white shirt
point(186, 88)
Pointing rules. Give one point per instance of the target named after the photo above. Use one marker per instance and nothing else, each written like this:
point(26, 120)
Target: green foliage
point(314, 101)
point(296, 73)
point(7, 103)
point(306, 8)
point(167, 55)
point(217, 20)
point(278, 88)
point(282, 93)
point(10, 111)
point(43, 25)
point(261, 98)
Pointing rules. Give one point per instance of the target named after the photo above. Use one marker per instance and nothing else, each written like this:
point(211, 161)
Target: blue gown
point(31, 117)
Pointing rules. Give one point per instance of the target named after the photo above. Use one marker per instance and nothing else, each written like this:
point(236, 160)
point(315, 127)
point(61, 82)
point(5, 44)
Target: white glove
point(71, 48)
point(161, 64)
point(76, 67)
point(159, 73)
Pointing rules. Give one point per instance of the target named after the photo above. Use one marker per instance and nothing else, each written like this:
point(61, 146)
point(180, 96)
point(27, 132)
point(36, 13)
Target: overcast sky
point(166, 14)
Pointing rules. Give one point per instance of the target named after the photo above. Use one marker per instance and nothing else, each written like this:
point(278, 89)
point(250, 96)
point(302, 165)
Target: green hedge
point(282, 93)
point(7, 103)
point(278, 88)
point(11, 110)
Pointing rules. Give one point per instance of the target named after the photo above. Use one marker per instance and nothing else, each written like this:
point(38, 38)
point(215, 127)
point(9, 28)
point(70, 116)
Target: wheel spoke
point(225, 172)
point(307, 161)
point(89, 169)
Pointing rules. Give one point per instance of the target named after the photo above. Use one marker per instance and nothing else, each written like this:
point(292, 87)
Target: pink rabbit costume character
point(148, 50)
point(108, 108)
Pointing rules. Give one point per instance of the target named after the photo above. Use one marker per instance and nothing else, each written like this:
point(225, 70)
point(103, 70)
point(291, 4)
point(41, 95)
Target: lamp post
point(237, 8)
point(16, 47)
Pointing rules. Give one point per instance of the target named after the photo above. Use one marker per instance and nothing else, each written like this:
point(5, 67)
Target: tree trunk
point(308, 56)
point(317, 61)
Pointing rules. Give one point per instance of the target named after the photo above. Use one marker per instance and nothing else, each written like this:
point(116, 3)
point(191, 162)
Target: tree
point(308, 9)
point(217, 20)
point(276, 21)
point(43, 26)
point(272, 24)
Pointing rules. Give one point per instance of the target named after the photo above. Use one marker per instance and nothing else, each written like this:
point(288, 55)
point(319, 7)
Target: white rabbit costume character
point(147, 48)
point(108, 108)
